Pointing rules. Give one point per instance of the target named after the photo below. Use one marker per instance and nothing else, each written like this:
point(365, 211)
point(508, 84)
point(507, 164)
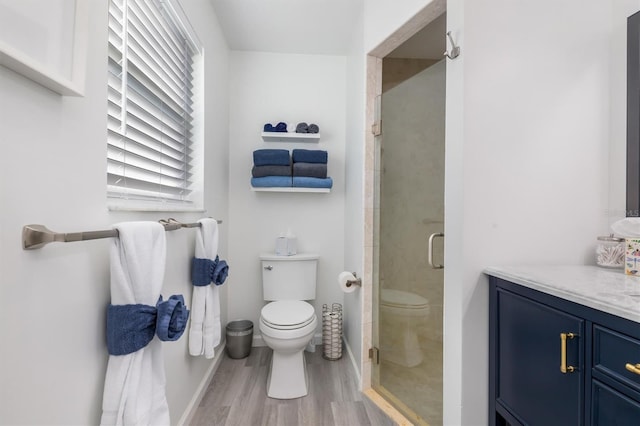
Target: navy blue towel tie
point(172, 318)
point(202, 271)
point(220, 272)
point(131, 327)
point(206, 271)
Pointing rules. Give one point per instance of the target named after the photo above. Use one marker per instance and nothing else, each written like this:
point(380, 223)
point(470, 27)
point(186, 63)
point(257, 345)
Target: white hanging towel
point(134, 388)
point(205, 330)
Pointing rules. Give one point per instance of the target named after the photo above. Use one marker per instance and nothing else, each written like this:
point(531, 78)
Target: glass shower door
point(408, 291)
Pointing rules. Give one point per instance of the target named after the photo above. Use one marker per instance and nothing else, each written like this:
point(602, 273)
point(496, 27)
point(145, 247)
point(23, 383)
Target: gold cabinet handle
point(564, 368)
point(633, 368)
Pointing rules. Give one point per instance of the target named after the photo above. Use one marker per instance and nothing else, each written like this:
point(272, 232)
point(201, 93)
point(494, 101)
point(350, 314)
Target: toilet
point(402, 314)
point(288, 322)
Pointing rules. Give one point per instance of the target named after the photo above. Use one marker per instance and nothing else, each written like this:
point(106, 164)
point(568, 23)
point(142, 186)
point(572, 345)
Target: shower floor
point(418, 387)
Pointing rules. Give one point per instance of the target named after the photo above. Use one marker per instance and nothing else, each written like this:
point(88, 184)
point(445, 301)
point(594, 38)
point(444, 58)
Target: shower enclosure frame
point(372, 126)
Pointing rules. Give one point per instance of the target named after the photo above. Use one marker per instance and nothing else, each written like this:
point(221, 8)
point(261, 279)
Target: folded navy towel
point(271, 181)
point(313, 128)
point(271, 157)
point(309, 156)
point(311, 182)
point(317, 170)
point(262, 171)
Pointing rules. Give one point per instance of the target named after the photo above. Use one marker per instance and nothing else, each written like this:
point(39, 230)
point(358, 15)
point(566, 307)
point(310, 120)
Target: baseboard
point(190, 411)
point(258, 341)
point(387, 408)
point(317, 339)
point(354, 363)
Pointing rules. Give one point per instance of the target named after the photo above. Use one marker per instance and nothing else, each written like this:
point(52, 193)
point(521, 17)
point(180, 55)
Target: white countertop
point(608, 290)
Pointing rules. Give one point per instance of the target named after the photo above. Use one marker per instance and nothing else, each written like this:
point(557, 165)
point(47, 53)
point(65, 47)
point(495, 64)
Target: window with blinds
point(152, 151)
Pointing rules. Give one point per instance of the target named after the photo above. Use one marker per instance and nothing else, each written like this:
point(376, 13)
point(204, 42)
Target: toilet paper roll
point(342, 281)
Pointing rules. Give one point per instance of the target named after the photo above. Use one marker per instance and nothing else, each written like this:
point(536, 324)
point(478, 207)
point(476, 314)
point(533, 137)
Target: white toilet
point(403, 314)
point(288, 323)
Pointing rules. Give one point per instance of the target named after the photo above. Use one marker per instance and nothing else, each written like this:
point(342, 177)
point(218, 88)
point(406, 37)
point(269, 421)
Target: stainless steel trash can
point(239, 338)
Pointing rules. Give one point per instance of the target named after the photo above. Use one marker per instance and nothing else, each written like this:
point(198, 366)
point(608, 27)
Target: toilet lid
point(288, 314)
point(402, 299)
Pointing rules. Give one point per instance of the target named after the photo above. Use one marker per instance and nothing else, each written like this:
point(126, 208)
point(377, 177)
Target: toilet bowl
point(402, 313)
point(287, 326)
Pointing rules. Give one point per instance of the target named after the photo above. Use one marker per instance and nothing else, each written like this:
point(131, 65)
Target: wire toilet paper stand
point(332, 332)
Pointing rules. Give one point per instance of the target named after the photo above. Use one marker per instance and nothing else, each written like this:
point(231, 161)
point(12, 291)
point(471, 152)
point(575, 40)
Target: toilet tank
point(289, 277)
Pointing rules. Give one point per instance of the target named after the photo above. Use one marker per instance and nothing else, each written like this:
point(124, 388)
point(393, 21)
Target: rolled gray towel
point(313, 128)
point(302, 128)
point(262, 171)
point(316, 170)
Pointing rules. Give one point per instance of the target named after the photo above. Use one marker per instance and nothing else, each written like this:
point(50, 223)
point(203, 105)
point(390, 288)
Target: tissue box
point(632, 256)
point(286, 246)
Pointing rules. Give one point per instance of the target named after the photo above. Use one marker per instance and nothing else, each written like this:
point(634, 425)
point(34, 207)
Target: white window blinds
point(150, 143)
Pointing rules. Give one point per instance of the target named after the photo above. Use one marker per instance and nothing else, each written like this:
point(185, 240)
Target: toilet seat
point(403, 303)
point(402, 299)
point(287, 314)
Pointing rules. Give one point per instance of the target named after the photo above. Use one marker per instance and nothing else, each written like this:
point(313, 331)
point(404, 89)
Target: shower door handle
point(430, 250)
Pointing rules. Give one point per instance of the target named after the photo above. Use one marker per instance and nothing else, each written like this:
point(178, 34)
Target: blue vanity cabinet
point(556, 362)
point(616, 369)
point(611, 407)
point(529, 384)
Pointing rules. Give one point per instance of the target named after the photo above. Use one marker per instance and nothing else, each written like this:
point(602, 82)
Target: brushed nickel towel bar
point(37, 236)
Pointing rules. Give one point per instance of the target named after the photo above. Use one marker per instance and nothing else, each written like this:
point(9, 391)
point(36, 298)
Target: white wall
point(527, 181)
point(268, 88)
point(53, 171)
point(383, 17)
point(354, 189)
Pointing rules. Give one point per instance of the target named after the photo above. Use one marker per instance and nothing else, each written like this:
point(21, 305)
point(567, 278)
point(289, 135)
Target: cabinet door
point(529, 382)
point(612, 408)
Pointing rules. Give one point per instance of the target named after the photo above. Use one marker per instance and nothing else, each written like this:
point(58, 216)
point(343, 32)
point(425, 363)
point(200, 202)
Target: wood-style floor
point(237, 395)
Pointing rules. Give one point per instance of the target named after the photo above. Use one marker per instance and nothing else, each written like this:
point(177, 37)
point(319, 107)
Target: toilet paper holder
point(357, 281)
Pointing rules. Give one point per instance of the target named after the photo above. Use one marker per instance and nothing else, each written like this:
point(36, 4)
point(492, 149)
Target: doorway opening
point(408, 197)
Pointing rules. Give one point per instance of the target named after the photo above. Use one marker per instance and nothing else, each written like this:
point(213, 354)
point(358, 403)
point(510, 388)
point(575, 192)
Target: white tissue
point(342, 281)
point(627, 227)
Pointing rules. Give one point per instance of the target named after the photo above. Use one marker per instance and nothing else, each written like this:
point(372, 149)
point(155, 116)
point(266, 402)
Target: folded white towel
point(134, 388)
point(205, 330)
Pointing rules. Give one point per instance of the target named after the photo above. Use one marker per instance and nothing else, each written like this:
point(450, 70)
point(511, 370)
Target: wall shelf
point(291, 189)
point(290, 137)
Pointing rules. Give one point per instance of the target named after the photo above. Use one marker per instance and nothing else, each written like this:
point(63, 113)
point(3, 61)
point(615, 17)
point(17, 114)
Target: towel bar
point(36, 236)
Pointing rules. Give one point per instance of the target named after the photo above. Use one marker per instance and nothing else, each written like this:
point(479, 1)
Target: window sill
point(136, 206)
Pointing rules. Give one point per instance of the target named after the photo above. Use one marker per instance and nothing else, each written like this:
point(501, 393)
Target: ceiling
point(321, 27)
point(428, 43)
point(315, 27)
